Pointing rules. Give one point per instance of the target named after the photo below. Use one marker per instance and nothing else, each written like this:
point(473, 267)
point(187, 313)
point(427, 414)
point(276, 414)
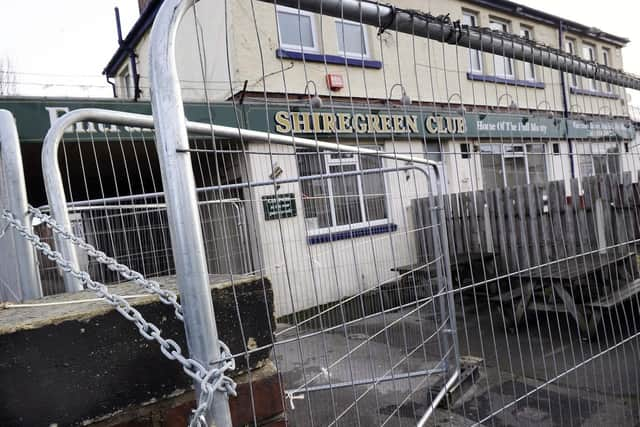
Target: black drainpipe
point(132, 58)
point(565, 101)
point(113, 87)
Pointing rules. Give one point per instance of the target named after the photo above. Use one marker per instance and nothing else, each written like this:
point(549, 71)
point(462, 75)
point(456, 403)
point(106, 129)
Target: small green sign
point(279, 206)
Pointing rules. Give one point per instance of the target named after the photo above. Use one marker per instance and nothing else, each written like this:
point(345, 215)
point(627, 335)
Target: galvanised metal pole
point(28, 281)
point(424, 25)
point(180, 196)
point(53, 175)
point(58, 205)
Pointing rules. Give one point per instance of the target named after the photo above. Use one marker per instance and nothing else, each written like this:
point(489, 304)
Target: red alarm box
point(335, 81)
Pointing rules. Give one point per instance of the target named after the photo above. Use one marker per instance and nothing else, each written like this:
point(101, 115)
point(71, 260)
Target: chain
point(153, 287)
point(209, 381)
point(4, 230)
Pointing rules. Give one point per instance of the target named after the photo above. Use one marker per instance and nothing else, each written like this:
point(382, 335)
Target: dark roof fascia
point(517, 9)
point(142, 25)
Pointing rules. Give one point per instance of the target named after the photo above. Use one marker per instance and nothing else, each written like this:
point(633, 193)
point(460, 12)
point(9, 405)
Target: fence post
point(180, 195)
point(15, 252)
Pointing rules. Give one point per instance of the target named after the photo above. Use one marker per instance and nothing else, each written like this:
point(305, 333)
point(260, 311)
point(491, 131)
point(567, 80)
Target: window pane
point(503, 66)
point(585, 159)
point(537, 164)
point(613, 160)
point(295, 30)
point(588, 53)
point(515, 171)
point(474, 55)
point(529, 67)
point(316, 203)
point(491, 164)
point(351, 36)
point(346, 195)
point(373, 189)
point(600, 164)
point(570, 48)
point(605, 61)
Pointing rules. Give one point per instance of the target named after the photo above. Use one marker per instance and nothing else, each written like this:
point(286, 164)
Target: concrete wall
point(197, 63)
point(313, 274)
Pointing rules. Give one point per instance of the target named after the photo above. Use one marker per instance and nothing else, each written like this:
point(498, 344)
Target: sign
point(308, 122)
point(279, 206)
point(594, 129)
point(35, 115)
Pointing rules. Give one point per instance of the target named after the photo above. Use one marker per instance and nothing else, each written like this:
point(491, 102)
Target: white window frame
point(589, 53)
point(314, 34)
point(356, 55)
point(527, 33)
point(606, 60)
point(505, 27)
point(474, 22)
point(342, 161)
point(590, 149)
point(504, 154)
point(570, 48)
point(127, 82)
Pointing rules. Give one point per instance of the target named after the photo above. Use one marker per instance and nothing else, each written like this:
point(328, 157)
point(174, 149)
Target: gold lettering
point(385, 123)
point(450, 125)
point(462, 125)
point(431, 124)
point(317, 124)
point(373, 123)
point(283, 124)
point(359, 123)
point(411, 123)
point(301, 122)
point(329, 121)
point(344, 125)
point(398, 125)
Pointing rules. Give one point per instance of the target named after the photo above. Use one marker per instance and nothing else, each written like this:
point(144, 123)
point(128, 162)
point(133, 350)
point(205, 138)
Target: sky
point(60, 47)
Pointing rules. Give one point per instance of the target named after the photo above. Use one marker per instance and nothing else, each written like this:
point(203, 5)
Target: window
point(351, 39)
point(598, 158)
point(340, 202)
point(296, 29)
point(570, 47)
point(529, 67)
point(607, 62)
point(510, 165)
point(589, 53)
point(503, 66)
point(475, 59)
point(127, 84)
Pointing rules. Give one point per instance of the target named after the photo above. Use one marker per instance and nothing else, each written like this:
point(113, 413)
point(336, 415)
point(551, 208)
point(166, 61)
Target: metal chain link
point(153, 287)
point(209, 380)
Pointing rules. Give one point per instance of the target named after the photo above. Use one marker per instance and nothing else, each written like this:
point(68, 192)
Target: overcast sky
point(61, 47)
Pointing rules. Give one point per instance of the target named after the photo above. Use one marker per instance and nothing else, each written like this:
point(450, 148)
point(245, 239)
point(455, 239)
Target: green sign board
point(279, 206)
point(35, 115)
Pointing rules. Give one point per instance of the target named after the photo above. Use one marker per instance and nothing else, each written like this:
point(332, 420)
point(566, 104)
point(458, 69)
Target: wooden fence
point(535, 224)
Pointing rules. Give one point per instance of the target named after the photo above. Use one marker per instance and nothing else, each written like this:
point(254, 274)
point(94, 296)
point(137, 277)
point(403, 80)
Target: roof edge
point(146, 18)
point(518, 9)
point(141, 26)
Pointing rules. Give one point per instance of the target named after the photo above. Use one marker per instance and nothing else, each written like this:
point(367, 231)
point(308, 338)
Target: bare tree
point(7, 78)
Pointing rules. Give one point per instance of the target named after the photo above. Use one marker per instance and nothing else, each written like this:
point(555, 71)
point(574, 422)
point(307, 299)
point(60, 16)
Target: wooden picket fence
point(531, 225)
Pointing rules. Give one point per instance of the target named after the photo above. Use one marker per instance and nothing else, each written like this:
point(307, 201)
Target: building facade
point(492, 121)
